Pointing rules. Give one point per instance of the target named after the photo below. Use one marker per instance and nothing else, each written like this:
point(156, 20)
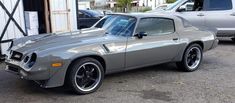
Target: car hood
point(47, 41)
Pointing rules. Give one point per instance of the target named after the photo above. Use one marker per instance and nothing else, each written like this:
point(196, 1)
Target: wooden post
point(47, 16)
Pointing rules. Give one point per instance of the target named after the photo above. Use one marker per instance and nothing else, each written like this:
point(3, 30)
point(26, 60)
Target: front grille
point(16, 56)
point(13, 69)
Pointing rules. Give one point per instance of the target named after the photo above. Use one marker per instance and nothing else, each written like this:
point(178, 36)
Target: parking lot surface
point(213, 83)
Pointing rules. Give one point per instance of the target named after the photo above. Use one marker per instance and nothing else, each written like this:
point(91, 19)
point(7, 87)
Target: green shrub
point(145, 9)
point(170, 1)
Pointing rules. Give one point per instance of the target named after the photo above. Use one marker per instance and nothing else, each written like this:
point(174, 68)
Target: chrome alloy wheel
point(88, 76)
point(194, 58)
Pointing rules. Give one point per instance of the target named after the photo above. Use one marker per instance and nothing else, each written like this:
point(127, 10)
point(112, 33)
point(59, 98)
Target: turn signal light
point(56, 64)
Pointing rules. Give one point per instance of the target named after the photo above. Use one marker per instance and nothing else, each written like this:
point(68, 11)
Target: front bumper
point(215, 44)
point(36, 74)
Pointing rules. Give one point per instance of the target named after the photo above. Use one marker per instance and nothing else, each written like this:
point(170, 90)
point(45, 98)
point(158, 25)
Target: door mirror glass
point(140, 35)
point(186, 7)
point(189, 6)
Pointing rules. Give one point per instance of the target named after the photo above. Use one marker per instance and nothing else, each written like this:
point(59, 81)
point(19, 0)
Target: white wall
point(12, 30)
point(151, 3)
point(63, 15)
point(73, 15)
point(84, 5)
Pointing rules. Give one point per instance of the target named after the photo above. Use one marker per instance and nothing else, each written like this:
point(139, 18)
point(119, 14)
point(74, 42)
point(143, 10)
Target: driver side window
point(192, 5)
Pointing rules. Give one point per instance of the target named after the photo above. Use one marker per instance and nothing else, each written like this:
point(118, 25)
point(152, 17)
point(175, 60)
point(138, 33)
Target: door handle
point(233, 14)
point(175, 39)
point(200, 14)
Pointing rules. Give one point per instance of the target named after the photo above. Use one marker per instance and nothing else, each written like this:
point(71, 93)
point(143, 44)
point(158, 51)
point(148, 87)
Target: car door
point(220, 15)
point(195, 17)
point(160, 44)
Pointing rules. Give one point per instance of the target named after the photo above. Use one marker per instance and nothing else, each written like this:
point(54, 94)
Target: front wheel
point(86, 76)
point(191, 59)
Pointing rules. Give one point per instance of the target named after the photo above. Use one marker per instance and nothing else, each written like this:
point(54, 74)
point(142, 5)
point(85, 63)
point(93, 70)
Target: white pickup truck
point(218, 14)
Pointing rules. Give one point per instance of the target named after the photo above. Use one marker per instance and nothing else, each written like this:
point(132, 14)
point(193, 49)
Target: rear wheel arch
point(196, 42)
point(183, 50)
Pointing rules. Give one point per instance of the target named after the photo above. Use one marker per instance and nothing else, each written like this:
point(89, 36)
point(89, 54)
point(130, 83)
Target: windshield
point(172, 6)
point(118, 25)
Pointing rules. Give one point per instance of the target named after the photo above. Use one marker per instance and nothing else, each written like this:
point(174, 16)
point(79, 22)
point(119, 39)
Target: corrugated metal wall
point(12, 31)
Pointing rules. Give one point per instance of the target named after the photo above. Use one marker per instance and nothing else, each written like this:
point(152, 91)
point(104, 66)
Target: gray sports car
point(117, 42)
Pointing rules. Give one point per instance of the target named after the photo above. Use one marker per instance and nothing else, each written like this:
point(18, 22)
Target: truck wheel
point(233, 39)
point(86, 76)
point(191, 59)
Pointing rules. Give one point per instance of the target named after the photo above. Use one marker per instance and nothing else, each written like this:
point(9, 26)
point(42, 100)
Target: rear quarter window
point(154, 26)
point(218, 5)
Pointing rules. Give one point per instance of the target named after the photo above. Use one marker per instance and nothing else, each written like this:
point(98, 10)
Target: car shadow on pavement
point(30, 87)
point(33, 88)
point(167, 67)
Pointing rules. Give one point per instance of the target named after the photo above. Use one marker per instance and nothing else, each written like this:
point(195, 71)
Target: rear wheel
point(192, 58)
point(233, 39)
point(86, 75)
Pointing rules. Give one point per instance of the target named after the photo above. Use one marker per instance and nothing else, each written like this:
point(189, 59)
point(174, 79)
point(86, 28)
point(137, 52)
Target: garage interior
point(42, 8)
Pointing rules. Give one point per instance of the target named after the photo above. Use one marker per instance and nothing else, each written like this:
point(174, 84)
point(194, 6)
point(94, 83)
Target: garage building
point(52, 16)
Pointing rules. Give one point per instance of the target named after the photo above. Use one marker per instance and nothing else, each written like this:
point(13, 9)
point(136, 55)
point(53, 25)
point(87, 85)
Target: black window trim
point(158, 18)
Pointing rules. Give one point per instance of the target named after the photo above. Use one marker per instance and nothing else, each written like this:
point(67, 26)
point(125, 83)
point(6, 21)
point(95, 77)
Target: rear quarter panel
point(192, 35)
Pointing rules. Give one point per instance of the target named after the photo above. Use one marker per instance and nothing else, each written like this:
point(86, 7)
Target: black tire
point(189, 58)
point(233, 39)
point(78, 72)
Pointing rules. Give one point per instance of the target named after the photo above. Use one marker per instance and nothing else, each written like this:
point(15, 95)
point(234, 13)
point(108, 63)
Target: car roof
point(92, 12)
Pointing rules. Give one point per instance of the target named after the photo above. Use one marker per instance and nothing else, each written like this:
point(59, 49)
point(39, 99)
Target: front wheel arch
point(99, 58)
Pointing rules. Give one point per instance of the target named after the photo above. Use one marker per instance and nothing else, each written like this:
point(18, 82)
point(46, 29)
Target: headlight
point(26, 59)
point(30, 60)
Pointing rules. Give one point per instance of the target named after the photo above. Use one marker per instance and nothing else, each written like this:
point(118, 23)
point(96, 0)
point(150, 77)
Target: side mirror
point(140, 35)
point(181, 9)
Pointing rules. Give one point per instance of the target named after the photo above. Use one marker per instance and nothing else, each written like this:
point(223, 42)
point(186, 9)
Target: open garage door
point(60, 15)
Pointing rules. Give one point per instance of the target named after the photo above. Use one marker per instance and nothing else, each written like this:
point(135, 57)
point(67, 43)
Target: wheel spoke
point(81, 82)
point(85, 84)
point(79, 76)
point(191, 62)
point(84, 67)
point(92, 79)
point(92, 70)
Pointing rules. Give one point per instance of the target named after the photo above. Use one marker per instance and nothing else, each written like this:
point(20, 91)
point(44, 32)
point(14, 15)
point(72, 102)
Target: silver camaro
point(117, 42)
